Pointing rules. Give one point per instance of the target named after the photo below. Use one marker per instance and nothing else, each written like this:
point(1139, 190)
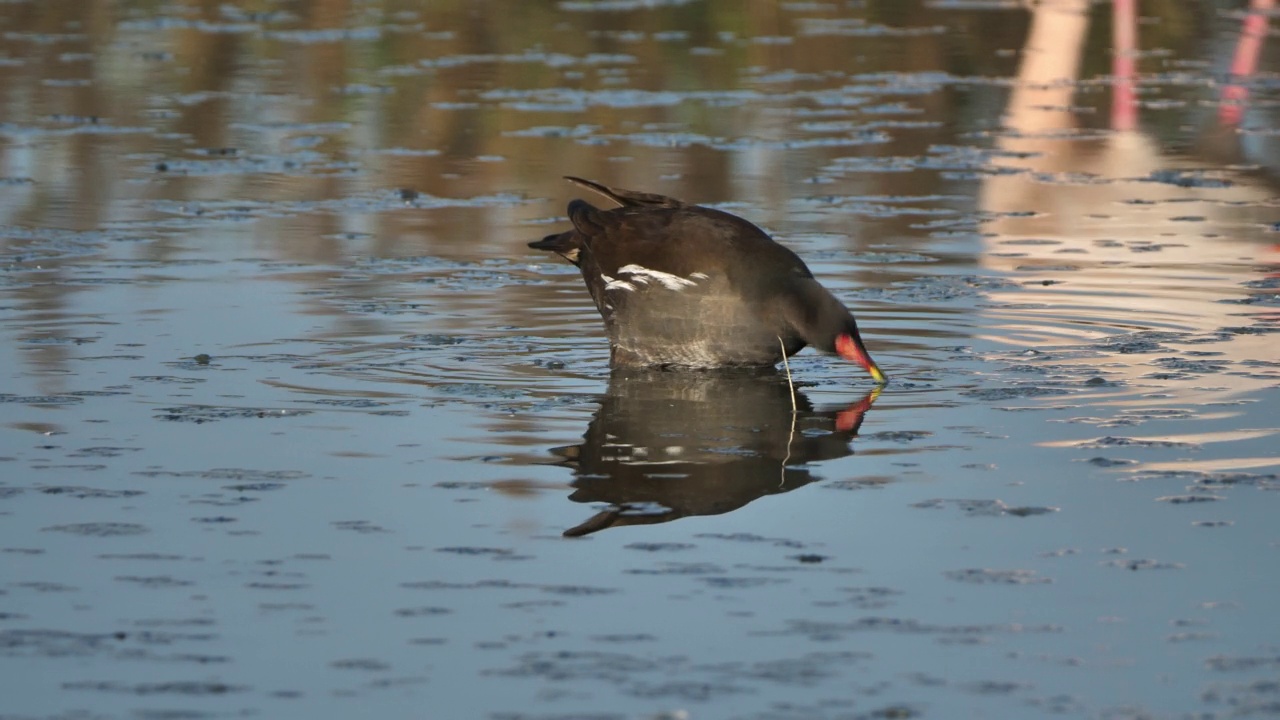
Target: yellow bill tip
point(877, 375)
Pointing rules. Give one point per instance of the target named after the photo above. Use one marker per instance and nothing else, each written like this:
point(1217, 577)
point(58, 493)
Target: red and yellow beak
point(850, 348)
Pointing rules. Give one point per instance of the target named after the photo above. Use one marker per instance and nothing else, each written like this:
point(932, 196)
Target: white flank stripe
point(611, 284)
point(644, 275)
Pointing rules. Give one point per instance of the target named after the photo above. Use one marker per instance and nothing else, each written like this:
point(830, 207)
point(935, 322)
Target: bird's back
point(685, 285)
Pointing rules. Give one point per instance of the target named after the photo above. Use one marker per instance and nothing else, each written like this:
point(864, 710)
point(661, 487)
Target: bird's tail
point(626, 198)
point(566, 244)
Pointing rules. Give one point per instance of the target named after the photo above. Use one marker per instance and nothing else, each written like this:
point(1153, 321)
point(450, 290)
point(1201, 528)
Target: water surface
point(292, 423)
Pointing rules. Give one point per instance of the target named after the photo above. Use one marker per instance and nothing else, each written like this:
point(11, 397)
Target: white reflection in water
point(1115, 238)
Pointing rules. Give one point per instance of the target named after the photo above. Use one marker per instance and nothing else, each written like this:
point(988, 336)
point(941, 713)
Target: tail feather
point(626, 198)
point(587, 218)
point(567, 245)
point(590, 221)
point(554, 243)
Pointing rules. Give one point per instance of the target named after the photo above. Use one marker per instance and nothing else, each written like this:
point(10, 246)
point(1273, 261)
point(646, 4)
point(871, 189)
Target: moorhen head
point(681, 285)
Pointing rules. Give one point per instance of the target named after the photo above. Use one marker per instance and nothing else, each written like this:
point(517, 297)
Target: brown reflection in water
point(668, 445)
point(204, 128)
point(438, 83)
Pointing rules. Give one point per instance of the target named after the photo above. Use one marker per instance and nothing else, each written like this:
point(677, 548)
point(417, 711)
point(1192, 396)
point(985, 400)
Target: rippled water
point(293, 424)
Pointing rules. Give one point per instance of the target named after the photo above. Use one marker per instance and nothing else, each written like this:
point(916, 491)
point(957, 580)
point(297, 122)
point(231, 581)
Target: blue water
point(292, 424)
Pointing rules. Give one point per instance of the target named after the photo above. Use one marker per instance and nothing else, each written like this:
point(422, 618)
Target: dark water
point(292, 424)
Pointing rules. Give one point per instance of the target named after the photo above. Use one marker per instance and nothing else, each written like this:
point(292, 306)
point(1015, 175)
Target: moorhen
point(681, 285)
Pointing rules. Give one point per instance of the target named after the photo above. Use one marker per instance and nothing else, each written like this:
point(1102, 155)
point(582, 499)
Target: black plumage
point(682, 285)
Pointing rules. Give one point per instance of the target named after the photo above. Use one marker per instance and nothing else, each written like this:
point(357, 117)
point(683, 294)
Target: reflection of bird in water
point(667, 445)
point(687, 286)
